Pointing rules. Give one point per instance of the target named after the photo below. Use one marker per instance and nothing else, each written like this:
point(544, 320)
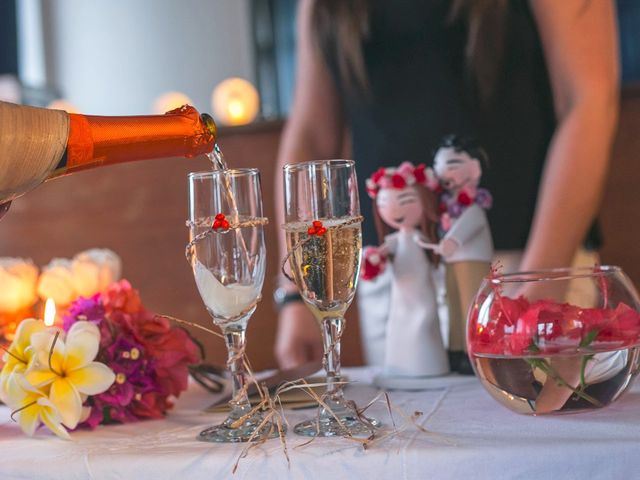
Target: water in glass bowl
point(559, 383)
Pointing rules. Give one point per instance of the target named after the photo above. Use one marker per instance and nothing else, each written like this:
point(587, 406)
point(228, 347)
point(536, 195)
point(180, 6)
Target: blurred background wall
point(117, 56)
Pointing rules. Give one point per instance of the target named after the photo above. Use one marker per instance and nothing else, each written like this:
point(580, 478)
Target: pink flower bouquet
point(148, 355)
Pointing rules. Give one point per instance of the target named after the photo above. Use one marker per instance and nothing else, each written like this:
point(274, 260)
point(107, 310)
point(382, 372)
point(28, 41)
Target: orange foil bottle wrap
point(38, 143)
point(95, 140)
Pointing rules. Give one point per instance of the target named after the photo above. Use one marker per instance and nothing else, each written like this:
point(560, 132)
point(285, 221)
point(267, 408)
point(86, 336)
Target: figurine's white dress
point(414, 344)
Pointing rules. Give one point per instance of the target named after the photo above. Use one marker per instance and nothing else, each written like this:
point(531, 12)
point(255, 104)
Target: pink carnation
point(405, 170)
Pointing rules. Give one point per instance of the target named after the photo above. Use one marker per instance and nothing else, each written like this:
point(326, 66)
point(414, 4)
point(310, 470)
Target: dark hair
point(428, 223)
point(465, 144)
point(341, 26)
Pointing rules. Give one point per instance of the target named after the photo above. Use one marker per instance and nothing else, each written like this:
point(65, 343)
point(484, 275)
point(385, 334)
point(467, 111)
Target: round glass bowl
point(555, 341)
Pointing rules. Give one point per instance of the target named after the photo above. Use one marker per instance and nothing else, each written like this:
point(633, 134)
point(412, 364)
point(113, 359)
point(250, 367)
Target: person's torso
point(419, 92)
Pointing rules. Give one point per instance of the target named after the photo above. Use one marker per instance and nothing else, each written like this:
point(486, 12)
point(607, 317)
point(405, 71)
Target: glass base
point(226, 433)
point(327, 425)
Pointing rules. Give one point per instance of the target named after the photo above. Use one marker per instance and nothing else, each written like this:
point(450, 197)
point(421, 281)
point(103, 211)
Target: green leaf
point(533, 348)
point(583, 366)
point(589, 337)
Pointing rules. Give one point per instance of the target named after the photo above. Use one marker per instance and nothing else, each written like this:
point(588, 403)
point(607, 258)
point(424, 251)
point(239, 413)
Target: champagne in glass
point(229, 267)
point(324, 244)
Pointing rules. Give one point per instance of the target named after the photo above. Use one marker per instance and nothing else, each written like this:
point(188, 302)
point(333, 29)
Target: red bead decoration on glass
point(317, 229)
point(220, 222)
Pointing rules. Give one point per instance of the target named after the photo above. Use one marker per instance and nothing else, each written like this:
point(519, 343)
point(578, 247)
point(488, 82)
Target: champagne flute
point(228, 256)
point(324, 244)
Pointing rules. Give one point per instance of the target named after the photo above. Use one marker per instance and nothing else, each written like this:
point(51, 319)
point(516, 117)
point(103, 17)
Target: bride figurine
point(405, 201)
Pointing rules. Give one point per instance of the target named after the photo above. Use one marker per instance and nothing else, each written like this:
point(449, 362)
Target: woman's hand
point(298, 339)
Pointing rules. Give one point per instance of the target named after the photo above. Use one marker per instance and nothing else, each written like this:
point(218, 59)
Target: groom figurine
point(466, 247)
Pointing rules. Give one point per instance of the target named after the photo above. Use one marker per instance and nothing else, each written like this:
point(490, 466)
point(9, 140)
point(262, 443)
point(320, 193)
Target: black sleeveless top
point(418, 92)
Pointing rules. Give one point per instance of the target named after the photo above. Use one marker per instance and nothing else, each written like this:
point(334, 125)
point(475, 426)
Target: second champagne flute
point(324, 244)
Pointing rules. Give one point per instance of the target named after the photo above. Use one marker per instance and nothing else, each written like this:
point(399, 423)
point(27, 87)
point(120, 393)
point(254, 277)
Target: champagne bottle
point(37, 144)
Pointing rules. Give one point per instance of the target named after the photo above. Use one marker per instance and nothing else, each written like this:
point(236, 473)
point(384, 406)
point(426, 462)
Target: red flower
point(150, 405)
point(419, 174)
point(515, 325)
point(373, 263)
point(121, 296)
point(156, 368)
point(524, 331)
point(464, 199)
point(172, 351)
point(622, 325)
point(397, 181)
point(377, 175)
point(507, 310)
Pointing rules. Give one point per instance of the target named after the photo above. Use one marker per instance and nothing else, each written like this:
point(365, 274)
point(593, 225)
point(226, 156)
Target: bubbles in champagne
point(326, 267)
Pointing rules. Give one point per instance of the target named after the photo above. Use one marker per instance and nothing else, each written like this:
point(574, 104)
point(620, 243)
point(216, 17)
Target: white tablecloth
point(476, 438)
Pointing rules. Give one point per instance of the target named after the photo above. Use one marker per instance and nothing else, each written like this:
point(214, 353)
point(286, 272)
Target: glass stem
point(332, 328)
point(234, 337)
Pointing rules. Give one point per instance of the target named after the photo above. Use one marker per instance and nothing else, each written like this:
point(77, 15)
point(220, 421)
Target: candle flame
point(236, 110)
point(235, 101)
point(49, 312)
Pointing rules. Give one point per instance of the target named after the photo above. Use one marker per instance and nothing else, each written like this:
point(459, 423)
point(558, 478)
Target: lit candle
point(235, 101)
point(49, 312)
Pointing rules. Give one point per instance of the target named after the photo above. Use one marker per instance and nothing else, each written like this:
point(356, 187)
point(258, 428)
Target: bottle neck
point(96, 140)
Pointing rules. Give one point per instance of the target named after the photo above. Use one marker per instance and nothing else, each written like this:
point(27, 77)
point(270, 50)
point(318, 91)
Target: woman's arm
point(580, 44)
point(314, 130)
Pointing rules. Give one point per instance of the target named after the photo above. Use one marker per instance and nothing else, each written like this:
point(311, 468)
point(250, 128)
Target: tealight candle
point(49, 312)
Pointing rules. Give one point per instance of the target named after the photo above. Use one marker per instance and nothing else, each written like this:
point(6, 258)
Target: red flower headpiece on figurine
point(403, 176)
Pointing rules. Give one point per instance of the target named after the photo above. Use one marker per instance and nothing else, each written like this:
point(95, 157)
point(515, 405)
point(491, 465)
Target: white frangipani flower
point(68, 369)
